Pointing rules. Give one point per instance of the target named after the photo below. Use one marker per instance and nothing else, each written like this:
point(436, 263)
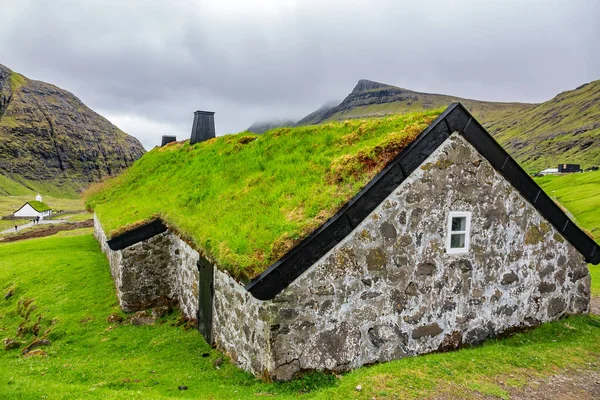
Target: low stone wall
point(157, 271)
point(163, 269)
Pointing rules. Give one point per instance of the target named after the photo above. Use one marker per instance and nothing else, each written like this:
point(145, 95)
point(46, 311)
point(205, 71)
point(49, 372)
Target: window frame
point(466, 232)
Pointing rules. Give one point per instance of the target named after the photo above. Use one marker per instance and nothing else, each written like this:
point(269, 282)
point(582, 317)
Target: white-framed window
point(459, 229)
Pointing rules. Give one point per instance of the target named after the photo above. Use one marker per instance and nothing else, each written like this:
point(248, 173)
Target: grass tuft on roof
point(39, 206)
point(244, 200)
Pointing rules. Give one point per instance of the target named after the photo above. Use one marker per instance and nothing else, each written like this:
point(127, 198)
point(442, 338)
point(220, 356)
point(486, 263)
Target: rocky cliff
point(49, 138)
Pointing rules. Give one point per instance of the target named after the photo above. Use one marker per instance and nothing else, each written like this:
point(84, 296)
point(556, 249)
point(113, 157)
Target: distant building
point(568, 168)
point(548, 171)
point(34, 209)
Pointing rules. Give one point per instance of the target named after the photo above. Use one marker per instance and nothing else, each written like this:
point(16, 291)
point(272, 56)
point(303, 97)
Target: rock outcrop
point(48, 135)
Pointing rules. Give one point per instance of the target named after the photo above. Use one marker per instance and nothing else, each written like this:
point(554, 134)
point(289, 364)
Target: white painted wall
point(27, 211)
point(30, 212)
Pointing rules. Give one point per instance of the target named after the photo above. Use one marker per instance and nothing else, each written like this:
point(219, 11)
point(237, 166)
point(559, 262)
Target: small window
point(459, 225)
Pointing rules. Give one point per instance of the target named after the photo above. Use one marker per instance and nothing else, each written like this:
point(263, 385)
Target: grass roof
point(39, 206)
point(244, 200)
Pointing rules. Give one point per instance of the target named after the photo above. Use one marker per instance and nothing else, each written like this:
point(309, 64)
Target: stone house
point(450, 244)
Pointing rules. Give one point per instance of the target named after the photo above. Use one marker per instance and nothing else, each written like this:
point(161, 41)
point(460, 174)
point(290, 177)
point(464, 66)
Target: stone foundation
point(389, 289)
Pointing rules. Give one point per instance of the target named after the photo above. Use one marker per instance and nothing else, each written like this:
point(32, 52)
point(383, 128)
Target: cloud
point(148, 65)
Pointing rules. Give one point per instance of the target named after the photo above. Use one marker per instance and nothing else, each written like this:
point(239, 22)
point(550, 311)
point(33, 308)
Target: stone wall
point(390, 290)
point(184, 261)
point(163, 269)
point(157, 271)
point(241, 325)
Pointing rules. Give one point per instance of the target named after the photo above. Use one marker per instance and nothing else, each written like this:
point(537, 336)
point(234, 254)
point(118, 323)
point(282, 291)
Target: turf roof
point(244, 200)
point(39, 206)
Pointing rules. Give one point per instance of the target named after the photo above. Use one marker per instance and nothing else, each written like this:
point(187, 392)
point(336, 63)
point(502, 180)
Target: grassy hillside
point(369, 99)
point(65, 283)
point(50, 141)
point(578, 193)
point(245, 200)
point(9, 187)
point(563, 130)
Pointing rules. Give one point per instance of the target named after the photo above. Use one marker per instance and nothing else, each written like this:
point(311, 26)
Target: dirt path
point(595, 306)
point(31, 224)
point(50, 230)
point(578, 384)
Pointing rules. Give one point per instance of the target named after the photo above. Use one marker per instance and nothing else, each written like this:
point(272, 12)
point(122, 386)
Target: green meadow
point(580, 194)
point(63, 285)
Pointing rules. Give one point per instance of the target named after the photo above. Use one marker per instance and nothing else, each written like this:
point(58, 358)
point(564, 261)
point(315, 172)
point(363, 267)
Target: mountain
point(371, 99)
point(310, 119)
point(319, 115)
point(565, 129)
point(50, 141)
point(261, 127)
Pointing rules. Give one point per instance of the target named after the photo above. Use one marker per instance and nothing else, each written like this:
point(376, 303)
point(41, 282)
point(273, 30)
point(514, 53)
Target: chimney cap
point(204, 112)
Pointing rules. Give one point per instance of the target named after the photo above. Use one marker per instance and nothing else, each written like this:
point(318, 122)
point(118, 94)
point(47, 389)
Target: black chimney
point(203, 127)
point(167, 139)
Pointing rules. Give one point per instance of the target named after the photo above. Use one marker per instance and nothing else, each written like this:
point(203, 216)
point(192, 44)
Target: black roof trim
point(455, 118)
point(137, 235)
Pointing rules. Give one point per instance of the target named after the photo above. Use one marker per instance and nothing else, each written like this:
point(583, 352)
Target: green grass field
point(578, 193)
point(271, 190)
point(68, 279)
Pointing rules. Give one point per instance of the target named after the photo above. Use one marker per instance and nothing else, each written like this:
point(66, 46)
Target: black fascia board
point(137, 235)
point(456, 118)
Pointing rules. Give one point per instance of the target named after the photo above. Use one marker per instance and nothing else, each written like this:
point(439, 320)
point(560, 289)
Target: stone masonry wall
point(184, 261)
point(390, 290)
point(163, 269)
point(241, 325)
point(160, 270)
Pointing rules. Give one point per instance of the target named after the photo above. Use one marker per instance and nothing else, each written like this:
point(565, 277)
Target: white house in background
point(548, 171)
point(34, 209)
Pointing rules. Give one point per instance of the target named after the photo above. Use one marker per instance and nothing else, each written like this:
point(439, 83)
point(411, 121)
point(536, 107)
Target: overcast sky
point(147, 65)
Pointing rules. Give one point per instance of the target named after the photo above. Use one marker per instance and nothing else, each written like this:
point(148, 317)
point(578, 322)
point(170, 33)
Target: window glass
point(457, 241)
point(459, 224)
point(458, 231)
